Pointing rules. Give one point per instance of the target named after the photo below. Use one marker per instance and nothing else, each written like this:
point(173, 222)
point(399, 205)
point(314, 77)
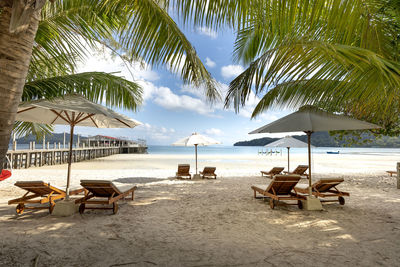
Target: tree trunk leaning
point(15, 55)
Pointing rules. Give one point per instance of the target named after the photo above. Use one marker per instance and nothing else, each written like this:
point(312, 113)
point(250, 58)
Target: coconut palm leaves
point(326, 53)
point(138, 30)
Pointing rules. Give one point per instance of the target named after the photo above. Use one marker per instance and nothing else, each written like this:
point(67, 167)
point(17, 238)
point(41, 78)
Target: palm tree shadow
point(138, 180)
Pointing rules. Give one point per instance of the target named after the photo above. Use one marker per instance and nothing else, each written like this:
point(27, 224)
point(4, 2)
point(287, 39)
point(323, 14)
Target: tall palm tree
point(36, 29)
point(339, 55)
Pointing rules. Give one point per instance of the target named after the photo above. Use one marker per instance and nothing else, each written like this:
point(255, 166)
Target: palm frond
point(22, 128)
point(96, 86)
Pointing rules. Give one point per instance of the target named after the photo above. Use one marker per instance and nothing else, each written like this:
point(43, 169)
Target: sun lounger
point(209, 172)
point(280, 188)
point(391, 173)
point(325, 188)
point(274, 171)
point(106, 193)
point(300, 170)
point(183, 171)
point(40, 193)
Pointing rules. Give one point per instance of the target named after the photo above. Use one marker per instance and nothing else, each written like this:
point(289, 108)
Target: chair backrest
point(283, 184)
point(276, 170)
point(326, 184)
point(101, 188)
point(183, 168)
point(209, 170)
point(39, 187)
point(300, 169)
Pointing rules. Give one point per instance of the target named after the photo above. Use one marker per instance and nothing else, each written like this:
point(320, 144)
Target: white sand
point(211, 222)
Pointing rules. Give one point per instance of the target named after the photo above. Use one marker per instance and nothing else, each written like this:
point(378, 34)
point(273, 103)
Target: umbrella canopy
point(73, 110)
point(287, 142)
point(310, 119)
point(196, 140)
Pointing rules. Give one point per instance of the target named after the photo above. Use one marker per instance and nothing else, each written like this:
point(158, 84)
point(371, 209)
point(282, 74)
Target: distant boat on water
point(332, 152)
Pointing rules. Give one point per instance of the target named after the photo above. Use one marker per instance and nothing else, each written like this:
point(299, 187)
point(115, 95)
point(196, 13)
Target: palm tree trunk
point(15, 55)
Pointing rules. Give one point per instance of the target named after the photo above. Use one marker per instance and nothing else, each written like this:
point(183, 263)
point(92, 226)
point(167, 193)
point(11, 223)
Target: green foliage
point(341, 56)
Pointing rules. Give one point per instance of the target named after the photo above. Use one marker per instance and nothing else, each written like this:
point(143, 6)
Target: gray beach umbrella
point(310, 119)
point(73, 110)
point(287, 142)
point(196, 140)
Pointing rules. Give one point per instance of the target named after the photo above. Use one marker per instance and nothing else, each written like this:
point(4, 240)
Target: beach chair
point(272, 172)
point(300, 170)
point(208, 172)
point(280, 188)
point(106, 193)
point(325, 188)
point(40, 193)
point(183, 171)
point(391, 173)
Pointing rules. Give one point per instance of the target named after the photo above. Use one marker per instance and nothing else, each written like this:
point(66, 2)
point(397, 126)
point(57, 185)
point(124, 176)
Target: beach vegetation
point(342, 56)
point(47, 38)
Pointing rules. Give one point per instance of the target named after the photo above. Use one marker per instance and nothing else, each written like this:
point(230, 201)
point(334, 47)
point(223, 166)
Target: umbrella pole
point(309, 163)
point(71, 140)
point(288, 151)
point(195, 149)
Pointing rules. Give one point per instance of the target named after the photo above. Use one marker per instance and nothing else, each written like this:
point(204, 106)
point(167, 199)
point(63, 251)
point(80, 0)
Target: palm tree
point(339, 55)
point(36, 30)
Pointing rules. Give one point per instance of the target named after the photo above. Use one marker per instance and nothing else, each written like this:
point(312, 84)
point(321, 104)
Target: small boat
point(332, 152)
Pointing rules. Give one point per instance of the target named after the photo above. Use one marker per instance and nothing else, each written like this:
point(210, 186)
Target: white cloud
point(207, 32)
point(231, 71)
point(169, 100)
point(213, 131)
point(106, 62)
point(210, 63)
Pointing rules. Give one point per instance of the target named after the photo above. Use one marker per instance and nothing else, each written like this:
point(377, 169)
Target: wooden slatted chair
point(325, 188)
point(274, 171)
point(183, 171)
point(280, 188)
point(208, 172)
point(106, 193)
point(300, 170)
point(41, 193)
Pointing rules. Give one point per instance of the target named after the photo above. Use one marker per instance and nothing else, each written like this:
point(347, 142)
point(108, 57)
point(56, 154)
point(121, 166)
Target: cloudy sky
point(172, 110)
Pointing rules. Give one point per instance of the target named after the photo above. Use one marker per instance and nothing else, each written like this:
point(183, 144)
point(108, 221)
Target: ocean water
point(252, 150)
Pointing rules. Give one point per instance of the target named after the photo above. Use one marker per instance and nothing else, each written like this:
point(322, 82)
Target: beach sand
point(209, 222)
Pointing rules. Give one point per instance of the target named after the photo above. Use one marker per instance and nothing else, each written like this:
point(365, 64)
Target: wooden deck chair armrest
point(22, 199)
point(113, 199)
point(83, 199)
point(339, 192)
point(77, 191)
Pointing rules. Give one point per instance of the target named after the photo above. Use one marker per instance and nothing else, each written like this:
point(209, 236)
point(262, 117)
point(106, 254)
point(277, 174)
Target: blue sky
point(172, 110)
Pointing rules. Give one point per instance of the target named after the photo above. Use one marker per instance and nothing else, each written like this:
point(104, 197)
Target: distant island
point(323, 139)
point(54, 138)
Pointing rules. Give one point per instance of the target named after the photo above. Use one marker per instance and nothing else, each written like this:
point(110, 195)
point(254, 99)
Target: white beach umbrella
point(196, 140)
point(73, 110)
point(310, 119)
point(287, 142)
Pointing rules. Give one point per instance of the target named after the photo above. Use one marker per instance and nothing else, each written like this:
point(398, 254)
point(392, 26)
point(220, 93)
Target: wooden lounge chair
point(300, 170)
point(183, 171)
point(274, 171)
point(106, 192)
point(209, 172)
point(325, 188)
point(391, 173)
point(39, 192)
point(280, 188)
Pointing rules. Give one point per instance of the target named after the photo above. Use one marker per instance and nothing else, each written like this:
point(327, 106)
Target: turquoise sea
point(253, 150)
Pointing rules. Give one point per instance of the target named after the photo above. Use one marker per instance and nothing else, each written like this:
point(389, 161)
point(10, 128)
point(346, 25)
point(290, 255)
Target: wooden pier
point(20, 159)
point(91, 148)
